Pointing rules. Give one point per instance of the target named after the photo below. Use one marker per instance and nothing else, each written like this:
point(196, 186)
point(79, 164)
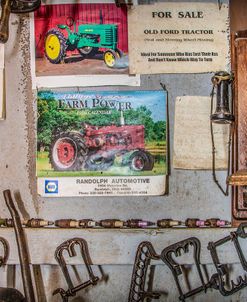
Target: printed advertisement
point(81, 40)
point(178, 38)
point(101, 143)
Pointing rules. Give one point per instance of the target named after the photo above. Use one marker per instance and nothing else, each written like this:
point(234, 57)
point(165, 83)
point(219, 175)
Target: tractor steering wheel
point(70, 21)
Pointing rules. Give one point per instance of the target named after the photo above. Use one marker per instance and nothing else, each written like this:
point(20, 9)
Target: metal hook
point(220, 4)
point(144, 254)
point(222, 270)
point(163, 86)
point(120, 3)
point(69, 246)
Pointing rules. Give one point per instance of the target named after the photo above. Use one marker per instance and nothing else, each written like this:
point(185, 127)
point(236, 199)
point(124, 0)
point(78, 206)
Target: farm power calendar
point(101, 143)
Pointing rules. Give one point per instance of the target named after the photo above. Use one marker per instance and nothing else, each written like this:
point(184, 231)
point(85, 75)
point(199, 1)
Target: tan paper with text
point(178, 38)
point(192, 138)
point(2, 95)
point(2, 83)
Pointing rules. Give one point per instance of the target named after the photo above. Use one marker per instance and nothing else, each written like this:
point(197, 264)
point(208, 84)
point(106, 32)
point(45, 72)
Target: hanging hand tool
point(144, 254)
point(8, 294)
point(221, 268)
point(69, 246)
point(168, 256)
point(222, 82)
point(14, 6)
point(22, 248)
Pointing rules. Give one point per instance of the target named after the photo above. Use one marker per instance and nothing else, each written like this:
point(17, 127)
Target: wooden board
point(108, 246)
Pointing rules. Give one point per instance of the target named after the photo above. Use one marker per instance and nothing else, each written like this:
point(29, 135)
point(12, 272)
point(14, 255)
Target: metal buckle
point(144, 254)
point(69, 246)
point(222, 268)
point(175, 249)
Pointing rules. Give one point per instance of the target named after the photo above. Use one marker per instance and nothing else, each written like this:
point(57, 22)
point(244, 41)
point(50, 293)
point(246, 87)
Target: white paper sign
point(178, 38)
point(192, 137)
point(2, 83)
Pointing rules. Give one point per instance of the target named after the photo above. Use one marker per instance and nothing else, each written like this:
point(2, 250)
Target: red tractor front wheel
point(67, 152)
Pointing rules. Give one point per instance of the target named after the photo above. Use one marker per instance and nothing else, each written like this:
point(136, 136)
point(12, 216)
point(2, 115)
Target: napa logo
point(51, 186)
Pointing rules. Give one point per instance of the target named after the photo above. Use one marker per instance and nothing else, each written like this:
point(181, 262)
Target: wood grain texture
point(111, 246)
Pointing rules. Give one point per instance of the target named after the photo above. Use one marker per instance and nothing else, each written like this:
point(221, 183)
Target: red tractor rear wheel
point(68, 152)
point(141, 161)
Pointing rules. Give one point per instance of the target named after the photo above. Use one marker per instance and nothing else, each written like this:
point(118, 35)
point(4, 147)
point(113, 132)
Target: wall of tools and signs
point(110, 127)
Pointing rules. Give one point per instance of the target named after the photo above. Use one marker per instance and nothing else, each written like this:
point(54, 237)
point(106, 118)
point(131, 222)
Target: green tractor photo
point(87, 40)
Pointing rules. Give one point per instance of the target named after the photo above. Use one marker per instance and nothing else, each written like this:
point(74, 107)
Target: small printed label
point(51, 186)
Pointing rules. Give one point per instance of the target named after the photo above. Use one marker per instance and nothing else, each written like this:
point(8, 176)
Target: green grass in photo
point(157, 149)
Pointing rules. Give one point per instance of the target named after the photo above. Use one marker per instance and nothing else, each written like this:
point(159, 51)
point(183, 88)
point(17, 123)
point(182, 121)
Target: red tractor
point(95, 148)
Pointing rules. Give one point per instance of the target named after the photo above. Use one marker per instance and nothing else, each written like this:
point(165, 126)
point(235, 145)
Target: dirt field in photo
point(76, 65)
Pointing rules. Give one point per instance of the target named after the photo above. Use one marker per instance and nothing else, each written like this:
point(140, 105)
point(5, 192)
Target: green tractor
point(87, 40)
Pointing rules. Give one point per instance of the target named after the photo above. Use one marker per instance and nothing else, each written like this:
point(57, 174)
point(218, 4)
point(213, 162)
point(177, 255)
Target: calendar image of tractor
point(106, 133)
point(95, 148)
point(77, 39)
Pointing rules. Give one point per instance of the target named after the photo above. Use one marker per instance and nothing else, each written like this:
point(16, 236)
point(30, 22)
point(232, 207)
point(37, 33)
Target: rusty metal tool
point(222, 82)
point(14, 6)
point(138, 223)
point(37, 223)
point(67, 223)
point(111, 223)
point(87, 223)
point(169, 223)
point(217, 223)
point(175, 250)
point(8, 294)
point(69, 246)
point(195, 223)
point(22, 248)
point(6, 222)
point(73, 223)
point(222, 271)
point(144, 254)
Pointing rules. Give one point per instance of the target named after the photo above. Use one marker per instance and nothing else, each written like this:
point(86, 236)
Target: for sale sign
point(101, 143)
point(178, 38)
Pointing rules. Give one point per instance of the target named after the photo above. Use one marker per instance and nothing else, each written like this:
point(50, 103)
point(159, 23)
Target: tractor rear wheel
point(141, 161)
point(110, 57)
point(88, 51)
point(96, 162)
point(55, 46)
point(68, 152)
